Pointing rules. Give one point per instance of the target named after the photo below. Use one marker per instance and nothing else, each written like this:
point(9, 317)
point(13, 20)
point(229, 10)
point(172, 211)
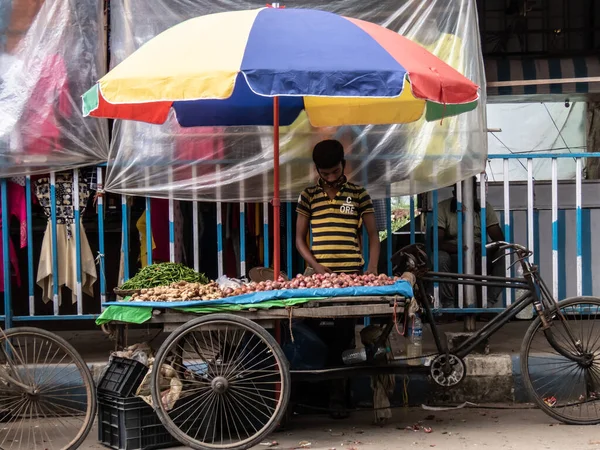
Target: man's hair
point(328, 154)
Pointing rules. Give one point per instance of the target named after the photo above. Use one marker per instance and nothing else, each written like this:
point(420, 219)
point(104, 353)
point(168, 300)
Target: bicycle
point(47, 392)
point(560, 342)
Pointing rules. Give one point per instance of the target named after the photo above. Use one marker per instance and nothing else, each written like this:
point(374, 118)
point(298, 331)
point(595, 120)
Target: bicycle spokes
point(564, 370)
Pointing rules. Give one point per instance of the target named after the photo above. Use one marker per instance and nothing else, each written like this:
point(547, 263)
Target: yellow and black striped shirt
point(335, 224)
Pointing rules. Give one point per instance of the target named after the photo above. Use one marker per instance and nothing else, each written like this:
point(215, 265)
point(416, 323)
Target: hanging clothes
point(17, 207)
point(141, 227)
point(65, 233)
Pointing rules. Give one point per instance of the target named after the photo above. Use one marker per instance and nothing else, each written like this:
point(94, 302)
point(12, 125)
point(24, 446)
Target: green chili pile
point(163, 274)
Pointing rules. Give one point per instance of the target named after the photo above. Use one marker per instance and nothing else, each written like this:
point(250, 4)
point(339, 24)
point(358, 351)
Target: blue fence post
point(243, 239)
point(266, 244)
point(436, 249)
point(390, 236)
point(6, 256)
point(412, 219)
point(100, 212)
point(77, 225)
point(53, 225)
point(148, 231)
point(483, 218)
point(30, 280)
point(125, 231)
point(290, 239)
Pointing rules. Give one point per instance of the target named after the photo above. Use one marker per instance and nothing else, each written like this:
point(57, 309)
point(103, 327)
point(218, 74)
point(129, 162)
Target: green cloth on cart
point(141, 314)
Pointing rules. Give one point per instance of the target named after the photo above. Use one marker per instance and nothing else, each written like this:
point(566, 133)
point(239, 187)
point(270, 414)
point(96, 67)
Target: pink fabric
point(49, 100)
point(17, 207)
point(191, 146)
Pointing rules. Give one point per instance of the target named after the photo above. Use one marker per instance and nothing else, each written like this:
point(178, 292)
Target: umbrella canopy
point(265, 66)
point(222, 69)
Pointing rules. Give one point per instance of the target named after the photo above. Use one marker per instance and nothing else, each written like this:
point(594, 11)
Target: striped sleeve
point(365, 204)
point(303, 206)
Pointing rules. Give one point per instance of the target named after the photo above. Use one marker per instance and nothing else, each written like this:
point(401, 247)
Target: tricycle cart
point(225, 382)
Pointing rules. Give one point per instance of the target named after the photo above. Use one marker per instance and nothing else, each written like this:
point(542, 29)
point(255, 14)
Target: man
point(448, 250)
point(335, 210)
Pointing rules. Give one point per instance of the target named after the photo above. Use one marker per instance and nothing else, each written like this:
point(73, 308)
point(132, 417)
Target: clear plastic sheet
point(235, 163)
point(50, 53)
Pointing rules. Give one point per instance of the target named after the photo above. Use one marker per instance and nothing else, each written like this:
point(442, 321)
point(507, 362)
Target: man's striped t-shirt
point(335, 224)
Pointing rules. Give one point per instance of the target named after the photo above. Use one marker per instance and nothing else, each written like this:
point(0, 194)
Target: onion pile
point(316, 281)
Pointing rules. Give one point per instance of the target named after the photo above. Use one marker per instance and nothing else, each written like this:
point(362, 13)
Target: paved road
point(525, 429)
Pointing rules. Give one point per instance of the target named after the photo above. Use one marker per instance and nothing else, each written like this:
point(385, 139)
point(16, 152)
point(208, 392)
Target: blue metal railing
point(582, 269)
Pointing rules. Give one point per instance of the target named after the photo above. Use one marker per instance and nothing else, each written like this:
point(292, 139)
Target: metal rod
point(125, 231)
point(507, 225)
point(554, 229)
point(530, 204)
point(195, 225)
point(149, 249)
point(243, 239)
point(266, 244)
point(578, 226)
point(483, 219)
point(412, 219)
point(276, 198)
point(53, 231)
point(289, 240)
point(460, 240)
point(476, 283)
point(436, 247)
point(468, 231)
point(220, 239)
point(457, 276)
point(77, 225)
point(101, 258)
point(543, 81)
point(30, 276)
point(171, 217)
point(6, 255)
point(390, 236)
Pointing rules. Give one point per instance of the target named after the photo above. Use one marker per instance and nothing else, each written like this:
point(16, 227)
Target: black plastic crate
point(130, 424)
point(122, 377)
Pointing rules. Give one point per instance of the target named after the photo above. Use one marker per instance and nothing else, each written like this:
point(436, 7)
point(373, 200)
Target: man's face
point(333, 174)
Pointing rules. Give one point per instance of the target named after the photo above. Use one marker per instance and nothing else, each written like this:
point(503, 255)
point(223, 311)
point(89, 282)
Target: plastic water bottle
point(414, 342)
point(356, 355)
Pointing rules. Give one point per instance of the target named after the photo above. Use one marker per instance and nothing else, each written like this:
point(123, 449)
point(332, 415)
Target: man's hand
point(372, 268)
point(321, 269)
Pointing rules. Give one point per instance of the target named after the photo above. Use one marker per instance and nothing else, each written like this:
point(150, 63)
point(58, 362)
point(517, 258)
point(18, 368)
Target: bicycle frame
point(536, 294)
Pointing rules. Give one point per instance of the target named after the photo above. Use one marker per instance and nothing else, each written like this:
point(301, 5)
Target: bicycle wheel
point(59, 410)
point(567, 390)
point(228, 386)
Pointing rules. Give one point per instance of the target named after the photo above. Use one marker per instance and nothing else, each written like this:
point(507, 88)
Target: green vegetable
point(163, 274)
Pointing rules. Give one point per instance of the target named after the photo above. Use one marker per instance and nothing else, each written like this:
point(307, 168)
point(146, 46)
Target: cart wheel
point(235, 385)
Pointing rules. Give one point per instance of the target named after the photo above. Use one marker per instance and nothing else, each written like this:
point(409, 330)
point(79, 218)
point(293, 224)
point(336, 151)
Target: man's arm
point(302, 224)
point(495, 233)
point(371, 227)
point(493, 224)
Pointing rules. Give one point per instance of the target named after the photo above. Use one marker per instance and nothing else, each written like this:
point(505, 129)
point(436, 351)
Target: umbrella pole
point(276, 198)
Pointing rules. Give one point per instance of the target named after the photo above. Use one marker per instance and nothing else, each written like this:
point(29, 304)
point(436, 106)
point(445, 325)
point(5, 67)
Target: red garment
point(49, 101)
point(17, 207)
point(192, 147)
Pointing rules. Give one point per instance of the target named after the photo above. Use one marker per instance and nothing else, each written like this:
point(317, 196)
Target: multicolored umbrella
point(264, 66)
